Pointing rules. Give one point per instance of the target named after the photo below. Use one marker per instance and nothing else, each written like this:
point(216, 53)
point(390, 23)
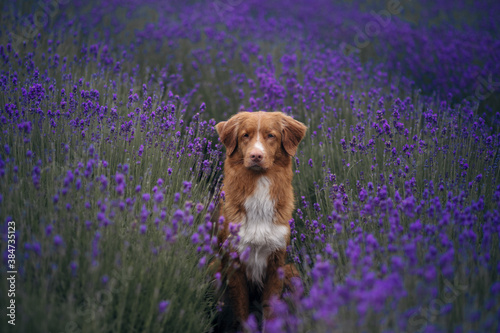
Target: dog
point(259, 200)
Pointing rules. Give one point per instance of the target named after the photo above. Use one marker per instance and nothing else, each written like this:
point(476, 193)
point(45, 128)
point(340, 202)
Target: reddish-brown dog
point(259, 198)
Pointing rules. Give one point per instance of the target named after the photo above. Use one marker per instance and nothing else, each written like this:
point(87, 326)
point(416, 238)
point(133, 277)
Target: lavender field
point(111, 168)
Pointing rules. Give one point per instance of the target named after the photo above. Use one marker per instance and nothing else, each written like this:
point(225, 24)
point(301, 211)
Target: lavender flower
point(58, 241)
point(163, 306)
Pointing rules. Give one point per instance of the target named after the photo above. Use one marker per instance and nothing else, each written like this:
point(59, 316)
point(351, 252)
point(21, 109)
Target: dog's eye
point(270, 135)
point(246, 135)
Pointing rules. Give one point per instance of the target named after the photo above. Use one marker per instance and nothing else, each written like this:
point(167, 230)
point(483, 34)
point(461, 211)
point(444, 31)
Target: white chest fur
point(259, 232)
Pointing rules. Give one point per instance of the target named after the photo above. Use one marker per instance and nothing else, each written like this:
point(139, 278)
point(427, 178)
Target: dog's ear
point(228, 133)
point(292, 132)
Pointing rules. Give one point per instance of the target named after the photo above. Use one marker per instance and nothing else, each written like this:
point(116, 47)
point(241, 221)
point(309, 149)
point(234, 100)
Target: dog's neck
point(240, 183)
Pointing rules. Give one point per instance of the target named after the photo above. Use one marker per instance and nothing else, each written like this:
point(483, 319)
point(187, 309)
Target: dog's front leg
point(239, 294)
point(274, 284)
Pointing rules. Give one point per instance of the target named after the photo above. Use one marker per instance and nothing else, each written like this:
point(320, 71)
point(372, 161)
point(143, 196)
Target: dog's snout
point(256, 156)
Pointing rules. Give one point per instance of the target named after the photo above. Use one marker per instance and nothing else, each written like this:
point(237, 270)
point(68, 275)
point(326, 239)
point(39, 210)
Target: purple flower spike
point(58, 240)
point(195, 239)
point(202, 262)
point(199, 208)
point(159, 197)
point(119, 178)
point(120, 189)
point(163, 305)
point(187, 186)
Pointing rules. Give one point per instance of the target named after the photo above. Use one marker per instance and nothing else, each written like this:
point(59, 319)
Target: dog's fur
point(259, 198)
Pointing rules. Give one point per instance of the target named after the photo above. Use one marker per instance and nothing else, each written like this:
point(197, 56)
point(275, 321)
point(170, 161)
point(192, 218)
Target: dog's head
point(260, 139)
